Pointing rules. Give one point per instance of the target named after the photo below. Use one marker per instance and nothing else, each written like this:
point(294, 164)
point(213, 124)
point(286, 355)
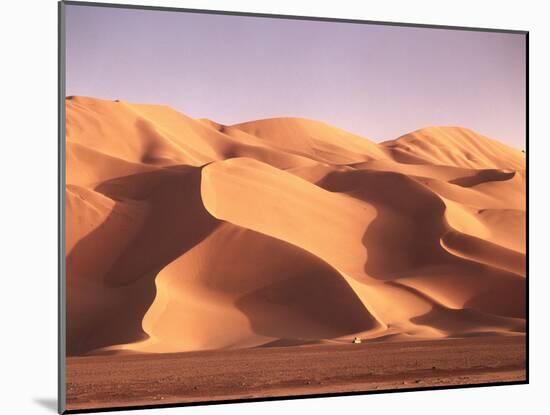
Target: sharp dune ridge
point(185, 234)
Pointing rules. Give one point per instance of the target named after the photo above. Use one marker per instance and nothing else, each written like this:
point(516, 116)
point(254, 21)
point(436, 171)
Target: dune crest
point(186, 234)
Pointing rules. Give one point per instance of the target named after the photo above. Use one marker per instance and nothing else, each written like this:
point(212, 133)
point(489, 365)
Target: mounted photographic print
point(264, 207)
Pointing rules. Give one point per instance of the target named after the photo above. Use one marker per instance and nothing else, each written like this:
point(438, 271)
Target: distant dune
point(184, 234)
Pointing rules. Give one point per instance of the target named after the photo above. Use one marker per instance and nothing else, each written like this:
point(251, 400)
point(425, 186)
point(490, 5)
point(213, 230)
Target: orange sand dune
point(314, 139)
point(454, 146)
point(185, 234)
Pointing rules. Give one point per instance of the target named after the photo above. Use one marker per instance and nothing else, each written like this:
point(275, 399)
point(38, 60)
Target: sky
point(377, 81)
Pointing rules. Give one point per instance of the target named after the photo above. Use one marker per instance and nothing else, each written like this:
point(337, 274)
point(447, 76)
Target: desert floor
point(161, 379)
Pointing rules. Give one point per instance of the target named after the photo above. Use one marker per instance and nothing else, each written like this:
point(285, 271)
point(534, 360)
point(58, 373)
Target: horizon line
point(291, 117)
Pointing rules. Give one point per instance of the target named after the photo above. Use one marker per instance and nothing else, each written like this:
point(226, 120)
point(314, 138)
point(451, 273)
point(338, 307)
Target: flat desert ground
point(192, 245)
point(164, 379)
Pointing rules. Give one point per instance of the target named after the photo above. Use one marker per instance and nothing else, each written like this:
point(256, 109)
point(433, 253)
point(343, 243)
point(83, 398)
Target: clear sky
point(373, 80)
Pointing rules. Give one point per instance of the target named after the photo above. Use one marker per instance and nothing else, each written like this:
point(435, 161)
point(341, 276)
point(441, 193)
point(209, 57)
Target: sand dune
point(185, 234)
point(320, 141)
point(454, 146)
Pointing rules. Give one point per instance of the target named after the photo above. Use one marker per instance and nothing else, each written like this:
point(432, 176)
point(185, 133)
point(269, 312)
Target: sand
point(187, 235)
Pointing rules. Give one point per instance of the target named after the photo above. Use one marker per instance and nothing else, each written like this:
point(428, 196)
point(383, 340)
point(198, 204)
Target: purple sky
point(377, 81)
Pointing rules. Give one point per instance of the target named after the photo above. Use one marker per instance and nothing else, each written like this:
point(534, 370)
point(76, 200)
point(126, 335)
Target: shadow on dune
point(463, 321)
point(466, 322)
point(404, 241)
point(483, 176)
point(312, 302)
point(108, 309)
point(409, 223)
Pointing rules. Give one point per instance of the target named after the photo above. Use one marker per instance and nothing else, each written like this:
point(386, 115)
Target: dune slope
point(185, 234)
